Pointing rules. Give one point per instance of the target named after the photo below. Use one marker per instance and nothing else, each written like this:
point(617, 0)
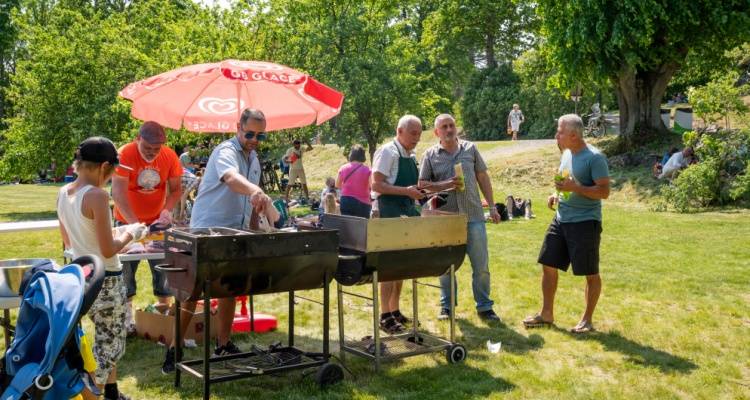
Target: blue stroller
point(44, 360)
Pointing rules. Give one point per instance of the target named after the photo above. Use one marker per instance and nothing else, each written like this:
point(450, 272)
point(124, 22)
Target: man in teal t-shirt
point(573, 236)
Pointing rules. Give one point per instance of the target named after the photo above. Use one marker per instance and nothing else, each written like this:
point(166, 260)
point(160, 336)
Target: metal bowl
point(11, 274)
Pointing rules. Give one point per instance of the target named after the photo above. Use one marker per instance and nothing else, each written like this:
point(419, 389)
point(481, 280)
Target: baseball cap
point(97, 149)
point(152, 132)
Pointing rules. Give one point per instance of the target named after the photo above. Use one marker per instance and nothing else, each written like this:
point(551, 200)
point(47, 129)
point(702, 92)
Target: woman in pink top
point(354, 181)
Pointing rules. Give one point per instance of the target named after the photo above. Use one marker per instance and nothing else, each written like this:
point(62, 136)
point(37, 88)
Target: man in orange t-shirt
point(145, 187)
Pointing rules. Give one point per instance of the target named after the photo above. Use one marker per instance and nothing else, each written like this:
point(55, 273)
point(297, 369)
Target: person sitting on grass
point(677, 162)
point(86, 228)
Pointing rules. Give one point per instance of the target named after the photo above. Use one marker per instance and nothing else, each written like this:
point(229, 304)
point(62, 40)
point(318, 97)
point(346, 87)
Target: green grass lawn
point(672, 320)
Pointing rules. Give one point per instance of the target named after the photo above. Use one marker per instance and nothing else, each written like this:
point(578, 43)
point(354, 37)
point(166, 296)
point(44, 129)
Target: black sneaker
point(488, 315)
point(444, 314)
point(168, 366)
point(227, 349)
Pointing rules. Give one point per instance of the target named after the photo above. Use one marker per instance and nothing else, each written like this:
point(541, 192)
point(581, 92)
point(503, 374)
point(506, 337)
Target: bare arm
point(430, 186)
point(599, 191)
point(381, 186)
point(96, 204)
point(485, 185)
point(260, 201)
point(175, 192)
point(120, 196)
point(238, 184)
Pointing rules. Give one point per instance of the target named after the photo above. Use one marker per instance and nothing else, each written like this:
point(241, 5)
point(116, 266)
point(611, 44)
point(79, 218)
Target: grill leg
point(252, 313)
point(326, 316)
point(415, 309)
point(452, 299)
point(177, 342)
point(376, 318)
point(340, 299)
point(291, 318)
point(6, 327)
point(206, 340)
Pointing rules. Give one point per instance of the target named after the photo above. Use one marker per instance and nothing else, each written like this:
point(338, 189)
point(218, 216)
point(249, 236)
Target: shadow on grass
point(28, 216)
point(142, 362)
point(638, 353)
point(475, 337)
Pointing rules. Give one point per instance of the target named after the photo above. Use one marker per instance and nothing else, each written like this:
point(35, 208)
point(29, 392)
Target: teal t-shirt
point(585, 167)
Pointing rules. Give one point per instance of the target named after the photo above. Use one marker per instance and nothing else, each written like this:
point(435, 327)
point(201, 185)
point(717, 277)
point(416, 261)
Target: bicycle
point(596, 125)
point(269, 181)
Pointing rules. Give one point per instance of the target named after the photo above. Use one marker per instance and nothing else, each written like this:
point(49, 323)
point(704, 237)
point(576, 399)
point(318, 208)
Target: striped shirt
point(437, 165)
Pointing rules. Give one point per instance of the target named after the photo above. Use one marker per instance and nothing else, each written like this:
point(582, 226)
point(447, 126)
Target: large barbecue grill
point(220, 262)
point(389, 249)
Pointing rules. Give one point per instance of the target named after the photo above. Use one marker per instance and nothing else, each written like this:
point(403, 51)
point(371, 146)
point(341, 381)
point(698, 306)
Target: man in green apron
point(394, 181)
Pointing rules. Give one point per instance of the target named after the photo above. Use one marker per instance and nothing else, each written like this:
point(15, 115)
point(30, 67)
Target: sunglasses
point(249, 135)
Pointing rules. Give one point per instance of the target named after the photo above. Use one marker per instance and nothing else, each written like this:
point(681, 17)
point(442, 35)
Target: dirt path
point(519, 146)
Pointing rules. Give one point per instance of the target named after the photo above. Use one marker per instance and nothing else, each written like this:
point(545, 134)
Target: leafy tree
point(639, 45)
point(718, 99)
point(489, 97)
point(355, 47)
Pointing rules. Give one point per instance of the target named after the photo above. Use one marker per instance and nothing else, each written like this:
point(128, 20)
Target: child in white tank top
point(86, 228)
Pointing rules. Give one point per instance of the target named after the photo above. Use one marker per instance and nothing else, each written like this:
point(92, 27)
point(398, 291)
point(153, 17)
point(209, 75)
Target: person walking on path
point(515, 119)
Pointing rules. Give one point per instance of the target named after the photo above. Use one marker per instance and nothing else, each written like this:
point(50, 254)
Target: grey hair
point(572, 122)
point(442, 117)
point(408, 119)
point(251, 113)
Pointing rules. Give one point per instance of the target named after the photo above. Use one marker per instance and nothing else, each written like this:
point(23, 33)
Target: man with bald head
point(438, 174)
point(573, 236)
point(394, 182)
point(229, 195)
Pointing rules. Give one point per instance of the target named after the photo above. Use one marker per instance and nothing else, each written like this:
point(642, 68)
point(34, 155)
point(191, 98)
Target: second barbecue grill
point(389, 249)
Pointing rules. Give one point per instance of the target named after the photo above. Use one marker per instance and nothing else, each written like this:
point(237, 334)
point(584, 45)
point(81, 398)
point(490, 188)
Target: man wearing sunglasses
point(228, 195)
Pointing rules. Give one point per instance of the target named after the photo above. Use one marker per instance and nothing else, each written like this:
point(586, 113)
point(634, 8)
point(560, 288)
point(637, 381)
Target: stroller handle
point(93, 283)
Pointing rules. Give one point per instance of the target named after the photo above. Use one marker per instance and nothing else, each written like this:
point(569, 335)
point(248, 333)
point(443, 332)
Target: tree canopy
point(638, 45)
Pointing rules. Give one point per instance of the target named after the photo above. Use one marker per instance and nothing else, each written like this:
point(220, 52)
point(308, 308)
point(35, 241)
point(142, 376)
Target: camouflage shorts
point(108, 315)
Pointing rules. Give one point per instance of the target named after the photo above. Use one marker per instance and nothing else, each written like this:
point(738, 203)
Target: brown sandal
point(536, 322)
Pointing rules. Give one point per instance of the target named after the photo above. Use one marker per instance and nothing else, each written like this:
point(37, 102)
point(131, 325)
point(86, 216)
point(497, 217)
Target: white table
point(8, 227)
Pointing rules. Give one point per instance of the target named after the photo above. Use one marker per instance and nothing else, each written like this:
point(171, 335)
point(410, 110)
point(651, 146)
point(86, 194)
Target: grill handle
point(169, 268)
point(349, 257)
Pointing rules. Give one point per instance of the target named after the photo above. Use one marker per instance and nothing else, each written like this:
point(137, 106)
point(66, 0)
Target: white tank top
point(80, 229)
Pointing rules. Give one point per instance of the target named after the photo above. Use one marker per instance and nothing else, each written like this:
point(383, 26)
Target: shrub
point(695, 188)
point(721, 176)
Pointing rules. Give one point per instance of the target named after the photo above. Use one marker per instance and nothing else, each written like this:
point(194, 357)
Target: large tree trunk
point(639, 95)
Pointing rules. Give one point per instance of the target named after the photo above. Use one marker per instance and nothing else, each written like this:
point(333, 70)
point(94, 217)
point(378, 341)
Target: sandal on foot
point(584, 327)
point(536, 322)
point(391, 326)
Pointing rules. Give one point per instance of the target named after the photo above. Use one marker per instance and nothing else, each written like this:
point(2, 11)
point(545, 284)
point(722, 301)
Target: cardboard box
point(160, 328)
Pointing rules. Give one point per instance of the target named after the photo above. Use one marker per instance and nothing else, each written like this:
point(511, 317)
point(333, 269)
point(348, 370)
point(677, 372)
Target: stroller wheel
point(43, 382)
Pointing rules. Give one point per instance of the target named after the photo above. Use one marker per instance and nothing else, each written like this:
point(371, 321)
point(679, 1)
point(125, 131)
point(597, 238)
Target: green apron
point(394, 206)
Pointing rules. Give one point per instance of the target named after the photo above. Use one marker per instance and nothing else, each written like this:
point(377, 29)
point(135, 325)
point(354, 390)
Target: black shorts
point(576, 243)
